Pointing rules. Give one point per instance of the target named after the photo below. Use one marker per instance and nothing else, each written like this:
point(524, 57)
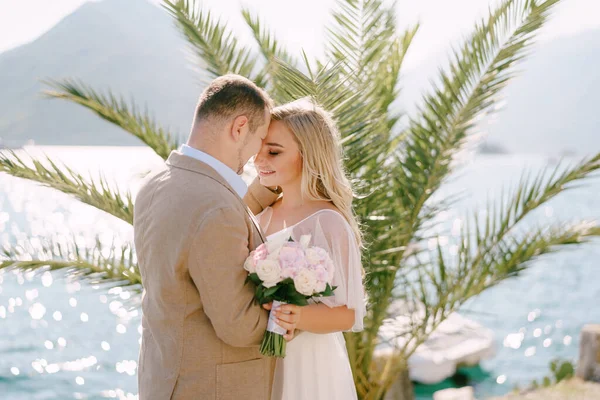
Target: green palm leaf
point(118, 112)
point(424, 158)
point(97, 264)
point(212, 42)
point(97, 193)
point(271, 51)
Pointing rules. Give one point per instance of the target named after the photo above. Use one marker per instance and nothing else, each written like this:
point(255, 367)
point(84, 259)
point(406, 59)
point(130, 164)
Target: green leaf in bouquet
point(296, 298)
point(271, 291)
point(265, 300)
point(299, 301)
point(254, 279)
point(287, 281)
point(328, 291)
point(258, 292)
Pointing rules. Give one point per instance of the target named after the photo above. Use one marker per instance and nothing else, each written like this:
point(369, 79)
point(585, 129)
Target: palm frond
point(271, 51)
point(363, 38)
point(360, 33)
point(97, 193)
point(424, 160)
point(212, 42)
point(504, 215)
point(441, 285)
point(96, 264)
point(478, 72)
point(117, 111)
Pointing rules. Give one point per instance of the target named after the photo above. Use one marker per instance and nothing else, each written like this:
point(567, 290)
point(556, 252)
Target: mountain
point(128, 46)
point(133, 48)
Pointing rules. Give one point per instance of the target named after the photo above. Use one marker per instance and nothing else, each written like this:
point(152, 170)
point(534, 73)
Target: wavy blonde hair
point(323, 173)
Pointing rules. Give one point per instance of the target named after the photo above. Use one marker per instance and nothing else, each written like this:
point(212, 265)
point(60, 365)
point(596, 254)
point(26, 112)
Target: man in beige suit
point(193, 232)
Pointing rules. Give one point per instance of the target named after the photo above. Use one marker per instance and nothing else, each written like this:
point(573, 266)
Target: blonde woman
point(302, 156)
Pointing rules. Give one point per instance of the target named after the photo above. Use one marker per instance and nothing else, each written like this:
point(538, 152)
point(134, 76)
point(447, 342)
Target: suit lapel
point(178, 160)
point(255, 222)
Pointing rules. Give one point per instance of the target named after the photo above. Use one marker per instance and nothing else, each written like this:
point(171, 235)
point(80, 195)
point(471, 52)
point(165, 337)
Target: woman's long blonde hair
point(323, 173)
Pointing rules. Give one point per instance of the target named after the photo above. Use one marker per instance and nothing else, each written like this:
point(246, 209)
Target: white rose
point(320, 286)
point(269, 272)
point(249, 265)
point(305, 282)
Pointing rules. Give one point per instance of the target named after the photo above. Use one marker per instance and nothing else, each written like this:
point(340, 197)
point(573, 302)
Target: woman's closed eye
point(273, 153)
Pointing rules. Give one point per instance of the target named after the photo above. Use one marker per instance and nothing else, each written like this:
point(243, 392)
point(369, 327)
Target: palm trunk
point(402, 389)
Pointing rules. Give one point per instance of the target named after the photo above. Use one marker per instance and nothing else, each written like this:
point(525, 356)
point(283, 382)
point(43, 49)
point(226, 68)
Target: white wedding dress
point(316, 366)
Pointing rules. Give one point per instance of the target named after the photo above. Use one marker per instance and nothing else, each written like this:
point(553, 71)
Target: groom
point(193, 232)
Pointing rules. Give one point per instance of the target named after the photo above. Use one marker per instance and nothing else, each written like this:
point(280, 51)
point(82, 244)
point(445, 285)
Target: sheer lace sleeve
point(331, 232)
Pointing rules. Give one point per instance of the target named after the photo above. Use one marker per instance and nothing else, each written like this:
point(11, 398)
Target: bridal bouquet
point(287, 272)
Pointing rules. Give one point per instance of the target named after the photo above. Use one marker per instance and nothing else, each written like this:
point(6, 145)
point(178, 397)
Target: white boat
point(458, 341)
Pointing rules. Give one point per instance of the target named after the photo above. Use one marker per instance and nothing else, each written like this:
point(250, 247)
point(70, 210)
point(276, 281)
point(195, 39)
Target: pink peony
point(259, 254)
point(291, 258)
point(319, 259)
point(322, 278)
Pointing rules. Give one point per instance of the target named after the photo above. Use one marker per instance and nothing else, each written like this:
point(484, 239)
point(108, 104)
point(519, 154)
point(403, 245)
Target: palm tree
point(397, 161)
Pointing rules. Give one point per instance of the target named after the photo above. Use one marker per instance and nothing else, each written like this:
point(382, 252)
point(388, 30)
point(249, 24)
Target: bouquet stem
point(273, 345)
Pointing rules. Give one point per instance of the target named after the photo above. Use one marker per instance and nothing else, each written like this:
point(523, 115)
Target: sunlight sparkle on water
point(126, 366)
point(31, 294)
point(514, 340)
point(533, 315)
point(52, 368)
point(47, 279)
point(37, 311)
point(530, 351)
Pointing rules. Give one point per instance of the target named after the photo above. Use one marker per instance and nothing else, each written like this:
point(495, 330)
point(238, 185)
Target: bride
point(302, 156)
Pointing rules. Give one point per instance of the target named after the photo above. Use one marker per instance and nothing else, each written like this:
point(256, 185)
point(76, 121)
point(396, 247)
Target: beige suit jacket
point(201, 329)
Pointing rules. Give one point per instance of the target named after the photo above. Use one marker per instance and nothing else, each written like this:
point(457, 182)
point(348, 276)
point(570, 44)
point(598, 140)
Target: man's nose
point(258, 158)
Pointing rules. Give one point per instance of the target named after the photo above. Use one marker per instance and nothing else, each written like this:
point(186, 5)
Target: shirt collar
point(232, 178)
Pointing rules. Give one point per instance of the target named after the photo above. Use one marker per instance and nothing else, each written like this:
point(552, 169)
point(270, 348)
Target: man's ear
point(239, 127)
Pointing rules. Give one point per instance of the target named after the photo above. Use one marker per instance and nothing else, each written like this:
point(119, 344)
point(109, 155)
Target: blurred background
point(64, 338)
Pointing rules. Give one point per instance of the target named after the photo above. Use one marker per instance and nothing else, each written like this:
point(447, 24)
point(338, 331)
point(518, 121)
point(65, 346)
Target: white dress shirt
point(234, 180)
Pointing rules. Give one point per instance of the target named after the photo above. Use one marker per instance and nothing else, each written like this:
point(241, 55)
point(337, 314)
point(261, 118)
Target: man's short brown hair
point(231, 95)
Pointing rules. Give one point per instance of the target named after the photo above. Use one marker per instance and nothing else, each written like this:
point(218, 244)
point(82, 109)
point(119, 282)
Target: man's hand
point(287, 316)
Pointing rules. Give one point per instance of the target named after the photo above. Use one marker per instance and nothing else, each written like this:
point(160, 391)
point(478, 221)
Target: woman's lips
point(265, 172)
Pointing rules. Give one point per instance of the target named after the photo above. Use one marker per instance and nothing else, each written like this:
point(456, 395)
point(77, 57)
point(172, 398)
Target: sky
point(300, 24)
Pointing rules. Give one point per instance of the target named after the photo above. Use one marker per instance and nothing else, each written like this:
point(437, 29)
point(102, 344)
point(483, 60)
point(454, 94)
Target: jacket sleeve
point(217, 255)
point(259, 197)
